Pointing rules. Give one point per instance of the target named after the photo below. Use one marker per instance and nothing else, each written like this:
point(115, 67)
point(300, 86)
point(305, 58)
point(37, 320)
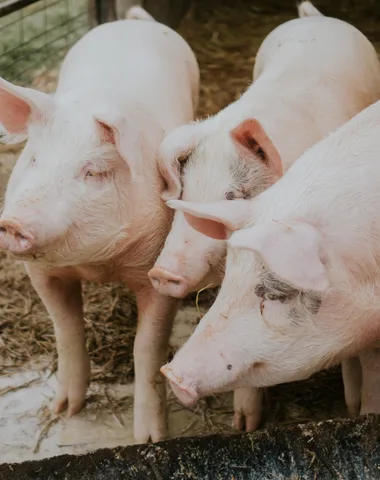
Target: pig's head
point(68, 198)
point(204, 162)
point(277, 318)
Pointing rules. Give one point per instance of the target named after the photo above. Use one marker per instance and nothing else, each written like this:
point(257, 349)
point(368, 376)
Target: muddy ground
point(225, 35)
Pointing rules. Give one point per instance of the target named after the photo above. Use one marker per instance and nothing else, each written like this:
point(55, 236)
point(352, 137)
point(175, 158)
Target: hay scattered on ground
point(26, 331)
point(103, 401)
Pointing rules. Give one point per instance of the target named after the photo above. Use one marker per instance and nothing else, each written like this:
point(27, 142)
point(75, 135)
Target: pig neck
point(131, 258)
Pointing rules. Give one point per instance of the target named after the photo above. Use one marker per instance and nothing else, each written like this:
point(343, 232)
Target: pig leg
point(352, 380)
point(248, 403)
point(370, 362)
point(156, 315)
point(63, 300)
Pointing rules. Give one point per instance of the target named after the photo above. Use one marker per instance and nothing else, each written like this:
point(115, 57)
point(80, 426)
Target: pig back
point(139, 61)
point(319, 48)
point(322, 72)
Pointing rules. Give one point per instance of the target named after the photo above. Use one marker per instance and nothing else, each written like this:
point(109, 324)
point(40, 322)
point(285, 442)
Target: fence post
point(101, 11)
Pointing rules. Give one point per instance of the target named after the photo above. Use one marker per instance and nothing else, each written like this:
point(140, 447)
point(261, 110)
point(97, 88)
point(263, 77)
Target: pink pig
point(83, 201)
point(301, 290)
point(311, 75)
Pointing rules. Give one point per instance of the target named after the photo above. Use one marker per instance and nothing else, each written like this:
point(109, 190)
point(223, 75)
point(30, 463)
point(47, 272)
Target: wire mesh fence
point(35, 38)
point(35, 35)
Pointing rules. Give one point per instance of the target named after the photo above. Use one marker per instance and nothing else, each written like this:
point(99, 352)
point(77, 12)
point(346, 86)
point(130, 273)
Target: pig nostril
point(2, 230)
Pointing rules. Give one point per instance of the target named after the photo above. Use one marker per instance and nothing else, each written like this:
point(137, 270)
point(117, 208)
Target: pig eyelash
point(271, 296)
point(262, 292)
point(96, 175)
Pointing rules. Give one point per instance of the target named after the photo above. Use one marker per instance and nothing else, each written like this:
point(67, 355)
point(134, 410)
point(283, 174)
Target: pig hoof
point(150, 417)
point(144, 433)
point(146, 437)
point(59, 405)
point(246, 423)
point(73, 399)
point(248, 408)
point(73, 405)
point(353, 409)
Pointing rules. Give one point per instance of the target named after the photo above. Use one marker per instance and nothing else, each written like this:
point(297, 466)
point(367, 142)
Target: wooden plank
point(338, 449)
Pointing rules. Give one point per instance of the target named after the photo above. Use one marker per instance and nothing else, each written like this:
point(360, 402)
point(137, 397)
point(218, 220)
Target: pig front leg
point(156, 315)
point(63, 300)
point(352, 381)
point(248, 404)
point(370, 363)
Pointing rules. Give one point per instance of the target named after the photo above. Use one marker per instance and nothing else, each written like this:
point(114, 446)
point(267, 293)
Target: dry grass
point(26, 332)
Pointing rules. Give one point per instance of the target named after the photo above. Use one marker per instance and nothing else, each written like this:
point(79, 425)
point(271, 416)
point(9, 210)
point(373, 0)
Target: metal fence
point(36, 34)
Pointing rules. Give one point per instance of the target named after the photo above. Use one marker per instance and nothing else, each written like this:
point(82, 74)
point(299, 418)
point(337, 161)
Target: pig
point(301, 290)
point(311, 75)
point(83, 201)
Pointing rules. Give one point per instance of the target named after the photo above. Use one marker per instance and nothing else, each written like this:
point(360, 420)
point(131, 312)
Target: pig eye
point(95, 175)
point(33, 160)
point(271, 296)
point(262, 292)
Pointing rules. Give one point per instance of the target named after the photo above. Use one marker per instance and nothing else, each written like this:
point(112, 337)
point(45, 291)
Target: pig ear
point(251, 139)
point(175, 149)
point(121, 132)
point(291, 251)
point(18, 104)
point(217, 219)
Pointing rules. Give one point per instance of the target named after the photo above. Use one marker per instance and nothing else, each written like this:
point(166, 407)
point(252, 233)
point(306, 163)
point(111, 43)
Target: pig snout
point(168, 283)
point(185, 394)
point(15, 237)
